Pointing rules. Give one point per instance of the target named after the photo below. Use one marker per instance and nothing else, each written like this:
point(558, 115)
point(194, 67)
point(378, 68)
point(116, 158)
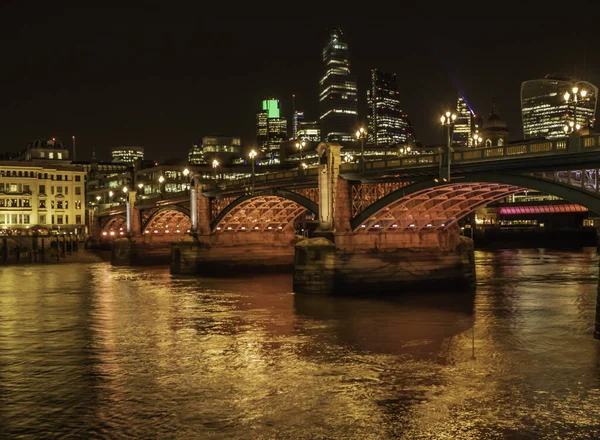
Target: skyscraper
point(337, 92)
point(298, 117)
point(387, 125)
point(545, 112)
point(461, 135)
point(271, 129)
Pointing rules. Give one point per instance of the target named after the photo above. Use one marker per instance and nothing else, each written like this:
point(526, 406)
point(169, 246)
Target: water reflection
point(417, 324)
point(94, 351)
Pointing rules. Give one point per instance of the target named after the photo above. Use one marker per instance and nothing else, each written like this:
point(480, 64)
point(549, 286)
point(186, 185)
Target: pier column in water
point(134, 221)
point(185, 254)
point(329, 170)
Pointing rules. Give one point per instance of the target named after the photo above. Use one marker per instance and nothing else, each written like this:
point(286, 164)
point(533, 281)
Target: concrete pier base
point(214, 255)
point(322, 269)
point(131, 252)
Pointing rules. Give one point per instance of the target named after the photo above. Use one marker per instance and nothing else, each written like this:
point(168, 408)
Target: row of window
point(34, 174)
point(25, 219)
point(24, 188)
point(42, 204)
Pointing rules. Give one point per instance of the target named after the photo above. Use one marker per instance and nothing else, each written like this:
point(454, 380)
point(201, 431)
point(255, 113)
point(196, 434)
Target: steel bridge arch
point(106, 222)
point(503, 183)
point(162, 210)
point(267, 200)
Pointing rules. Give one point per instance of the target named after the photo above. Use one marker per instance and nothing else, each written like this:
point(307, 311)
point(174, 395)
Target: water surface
point(95, 351)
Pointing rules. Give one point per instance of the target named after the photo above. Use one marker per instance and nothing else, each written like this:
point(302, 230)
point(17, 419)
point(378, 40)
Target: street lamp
point(578, 95)
point(215, 164)
point(253, 154)
point(348, 158)
point(161, 180)
point(186, 173)
point(404, 150)
point(361, 133)
point(447, 120)
point(300, 146)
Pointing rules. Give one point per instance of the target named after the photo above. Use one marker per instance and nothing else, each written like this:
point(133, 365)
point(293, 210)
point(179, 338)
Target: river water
point(93, 351)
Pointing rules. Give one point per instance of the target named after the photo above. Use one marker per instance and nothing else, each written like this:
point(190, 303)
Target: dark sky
point(163, 78)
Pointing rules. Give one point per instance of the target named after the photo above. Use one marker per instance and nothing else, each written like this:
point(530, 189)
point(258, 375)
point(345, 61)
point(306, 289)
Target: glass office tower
point(461, 135)
point(337, 92)
point(545, 112)
point(271, 129)
point(387, 125)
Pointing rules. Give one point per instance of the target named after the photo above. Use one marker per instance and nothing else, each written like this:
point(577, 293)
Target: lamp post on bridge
point(252, 155)
point(361, 134)
point(578, 95)
point(300, 146)
point(186, 173)
point(127, 211)
point(161, 180)
point(446, 159)
point(215, 164)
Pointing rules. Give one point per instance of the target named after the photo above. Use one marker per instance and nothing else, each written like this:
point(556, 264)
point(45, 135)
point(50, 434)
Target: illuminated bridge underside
point(115, 227)
point(434, 208)
point(263, 213)
point(169, 221)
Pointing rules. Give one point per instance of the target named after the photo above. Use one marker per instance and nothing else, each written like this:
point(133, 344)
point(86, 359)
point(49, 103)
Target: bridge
point(389, 226)
point(412, 192)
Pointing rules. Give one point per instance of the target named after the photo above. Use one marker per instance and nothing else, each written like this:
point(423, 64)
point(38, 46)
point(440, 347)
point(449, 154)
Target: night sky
point(163, 79)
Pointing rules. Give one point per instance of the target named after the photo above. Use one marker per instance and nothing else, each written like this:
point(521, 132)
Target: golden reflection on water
point(96, 351)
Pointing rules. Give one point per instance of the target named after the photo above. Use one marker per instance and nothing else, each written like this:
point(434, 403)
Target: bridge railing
point(526, 149)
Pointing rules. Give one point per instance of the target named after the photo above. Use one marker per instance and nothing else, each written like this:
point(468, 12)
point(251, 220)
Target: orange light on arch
point(262, 213)
point(438, 207)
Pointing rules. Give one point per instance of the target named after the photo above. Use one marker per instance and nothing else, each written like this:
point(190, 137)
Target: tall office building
point(545, 112)
point(387, 124)
point(463, 127)
point(337, 92)
point(271, 129)
point(297, 119)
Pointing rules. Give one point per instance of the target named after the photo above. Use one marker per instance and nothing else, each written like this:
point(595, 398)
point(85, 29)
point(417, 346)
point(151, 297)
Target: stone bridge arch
point(166, 220)
point(428, 205)
point(264, 212)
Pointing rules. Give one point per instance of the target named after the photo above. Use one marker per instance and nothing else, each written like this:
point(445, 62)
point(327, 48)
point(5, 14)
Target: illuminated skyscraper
point(461, 135)
point(298, 117)
point(337, 92)
point(545, 112)
point(271, 129)
point(387, 125)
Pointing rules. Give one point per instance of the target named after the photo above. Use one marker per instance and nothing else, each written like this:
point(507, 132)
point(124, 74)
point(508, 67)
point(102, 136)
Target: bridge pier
point(402, 264)
point(229, 254)
point(341, 261)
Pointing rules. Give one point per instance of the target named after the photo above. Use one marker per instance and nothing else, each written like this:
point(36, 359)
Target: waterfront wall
point(321, 268)
point(229, 254)
point(30, 249)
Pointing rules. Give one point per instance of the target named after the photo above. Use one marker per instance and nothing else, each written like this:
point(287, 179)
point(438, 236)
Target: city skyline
point(166, 87)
